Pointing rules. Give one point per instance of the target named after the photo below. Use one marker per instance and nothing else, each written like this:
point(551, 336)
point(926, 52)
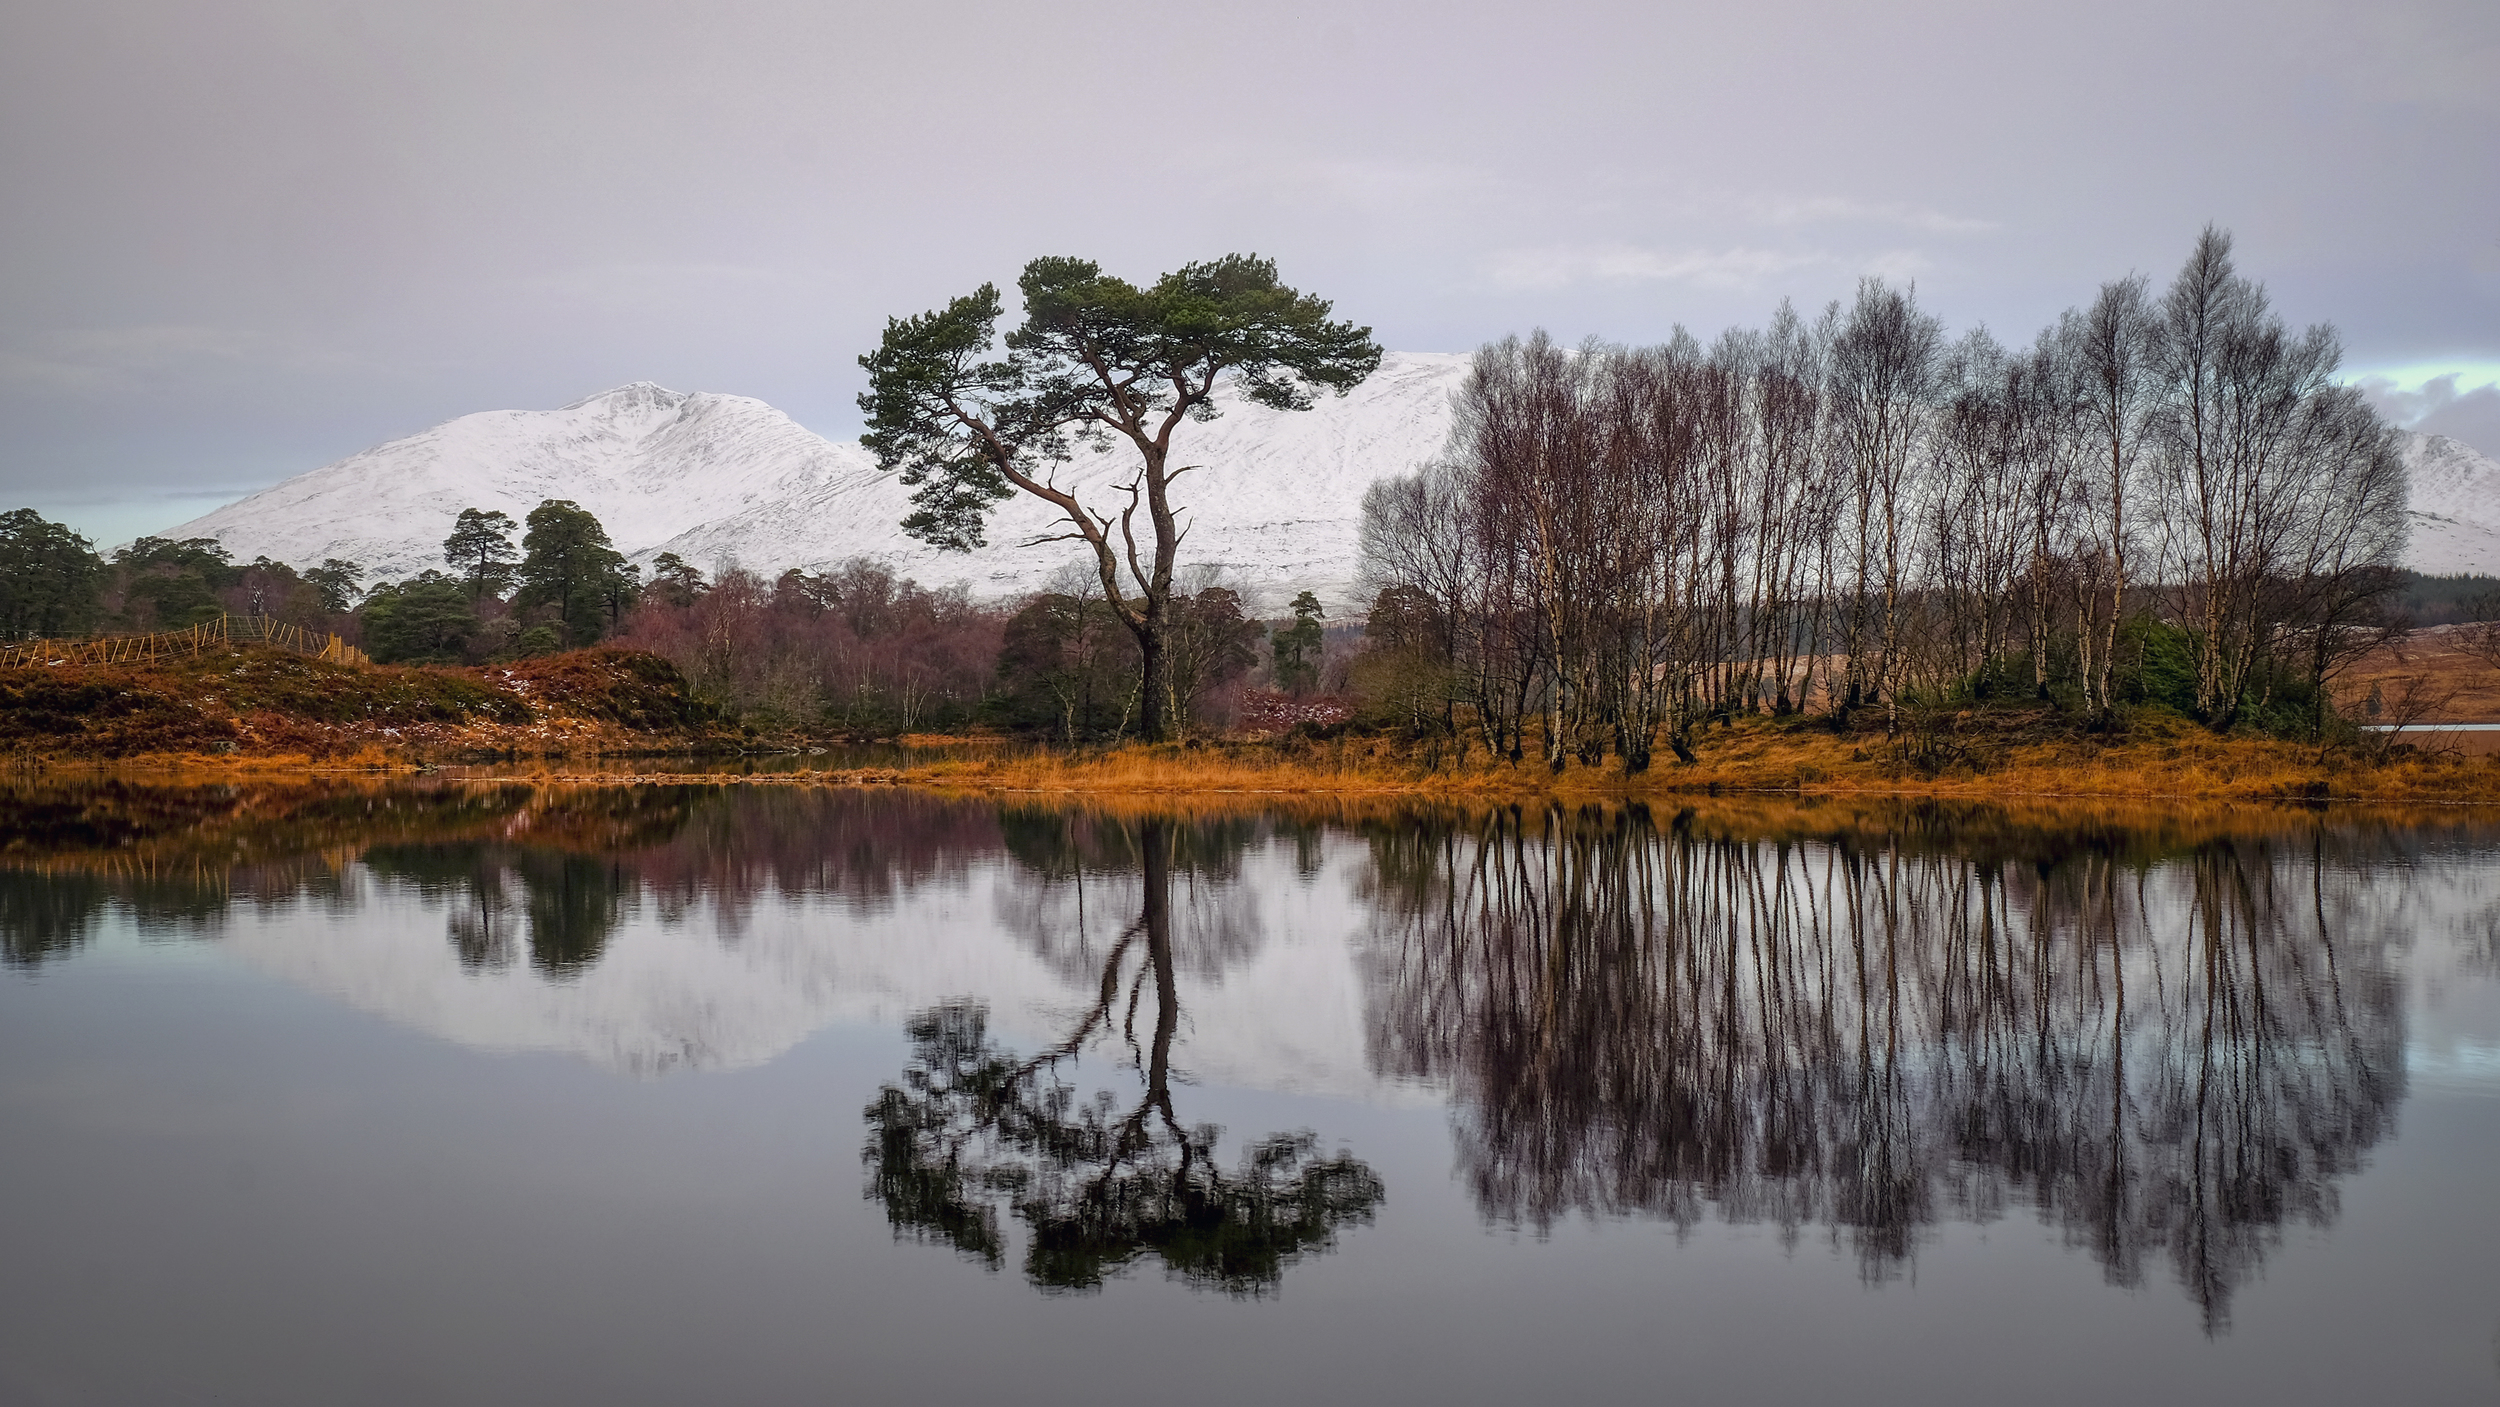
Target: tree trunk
point(1154, 708)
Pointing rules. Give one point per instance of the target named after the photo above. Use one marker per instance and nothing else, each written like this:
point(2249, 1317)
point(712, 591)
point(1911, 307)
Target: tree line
point(853, 648)
point(2165, 495)
point(55, 585)
point(564, 585)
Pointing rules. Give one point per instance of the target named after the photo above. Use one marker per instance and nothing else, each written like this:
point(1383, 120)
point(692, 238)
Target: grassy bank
point(1998, 756)
point(2007, 756)
point(254, 706)
point(249, 709)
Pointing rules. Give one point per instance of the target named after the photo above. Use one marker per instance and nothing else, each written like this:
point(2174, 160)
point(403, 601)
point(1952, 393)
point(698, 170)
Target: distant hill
point(720, 479)
point(2455, 507)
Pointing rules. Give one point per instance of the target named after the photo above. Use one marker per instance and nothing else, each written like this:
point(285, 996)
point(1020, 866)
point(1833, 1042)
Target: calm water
point(486, 1094)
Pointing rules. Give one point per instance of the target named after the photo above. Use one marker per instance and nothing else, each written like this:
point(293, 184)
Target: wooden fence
point(183, 644)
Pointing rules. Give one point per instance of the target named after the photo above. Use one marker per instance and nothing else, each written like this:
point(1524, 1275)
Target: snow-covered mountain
point(719, 479)
point(2455, 507)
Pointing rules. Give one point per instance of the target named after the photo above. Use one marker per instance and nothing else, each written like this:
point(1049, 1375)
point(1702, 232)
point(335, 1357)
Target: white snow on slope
point(2455, 507)
point(720, 479)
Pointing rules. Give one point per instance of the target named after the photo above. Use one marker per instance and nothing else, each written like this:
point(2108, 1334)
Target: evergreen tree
point(570, 567)
point(167, 584)
point(49, 578)
point(480, 550)
point(339, 581)
point(677, 581)
point(425, 620)
point(1102, 361)
point(1297, 647)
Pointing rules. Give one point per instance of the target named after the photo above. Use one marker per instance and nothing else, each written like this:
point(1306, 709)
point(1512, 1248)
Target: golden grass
point(1999, 756)
point(2155, 760)
point(2117, 804)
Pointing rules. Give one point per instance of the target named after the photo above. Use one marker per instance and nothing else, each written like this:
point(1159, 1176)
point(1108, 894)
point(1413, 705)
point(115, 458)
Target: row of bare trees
point(853, 647)
point(1857, 510)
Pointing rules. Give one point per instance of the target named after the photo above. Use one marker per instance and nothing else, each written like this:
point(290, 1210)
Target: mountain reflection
point(2165, 1058)
point(2168, 1043)
point(971, 1129)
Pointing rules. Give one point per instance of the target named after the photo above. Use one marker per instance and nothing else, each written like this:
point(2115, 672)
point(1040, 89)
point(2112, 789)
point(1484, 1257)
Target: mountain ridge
point(718, 479)
point(1275, 504)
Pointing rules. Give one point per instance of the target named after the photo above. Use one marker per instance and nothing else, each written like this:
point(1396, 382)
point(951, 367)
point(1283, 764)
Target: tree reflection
point(564, 904)
point(2175, 1057)
point(1085, 874)
point(556, 867)
point(46, 916)
point(1098, 1182)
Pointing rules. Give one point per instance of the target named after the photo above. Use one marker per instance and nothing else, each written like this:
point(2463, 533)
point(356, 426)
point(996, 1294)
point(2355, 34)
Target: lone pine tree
point(1096, 359)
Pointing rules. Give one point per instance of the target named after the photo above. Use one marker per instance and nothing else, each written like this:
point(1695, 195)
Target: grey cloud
point(1842, 210)
point(267, 233)
point(2473, 418)
point(1556, 267)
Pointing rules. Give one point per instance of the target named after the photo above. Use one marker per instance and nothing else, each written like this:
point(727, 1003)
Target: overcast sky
point(241, 240)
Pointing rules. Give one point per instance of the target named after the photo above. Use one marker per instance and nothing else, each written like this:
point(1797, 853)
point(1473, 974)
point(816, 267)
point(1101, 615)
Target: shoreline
point(2167, 761)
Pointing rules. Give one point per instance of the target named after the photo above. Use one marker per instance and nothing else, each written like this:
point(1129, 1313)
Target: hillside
point(718, 478)
point(259, 702)
point(2456, 507)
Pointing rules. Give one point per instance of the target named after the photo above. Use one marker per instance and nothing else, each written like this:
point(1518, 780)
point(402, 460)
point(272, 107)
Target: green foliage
point(2157, 666)
point(2286, 705)
point(571, 570)
point(49, 578)
point(1163, 347)
point(925, 367)
point(428, 619)
point(676, 582)
point(338, 582)
point(479, 550)
point(1096, 359)
point(168, 584)
point(1297, 647)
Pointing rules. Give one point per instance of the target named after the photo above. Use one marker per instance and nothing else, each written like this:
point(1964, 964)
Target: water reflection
point(1873, 1032)
point(45, 916)
point(1101, 1181)
point(2169, 1044)
point(1086, 876)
